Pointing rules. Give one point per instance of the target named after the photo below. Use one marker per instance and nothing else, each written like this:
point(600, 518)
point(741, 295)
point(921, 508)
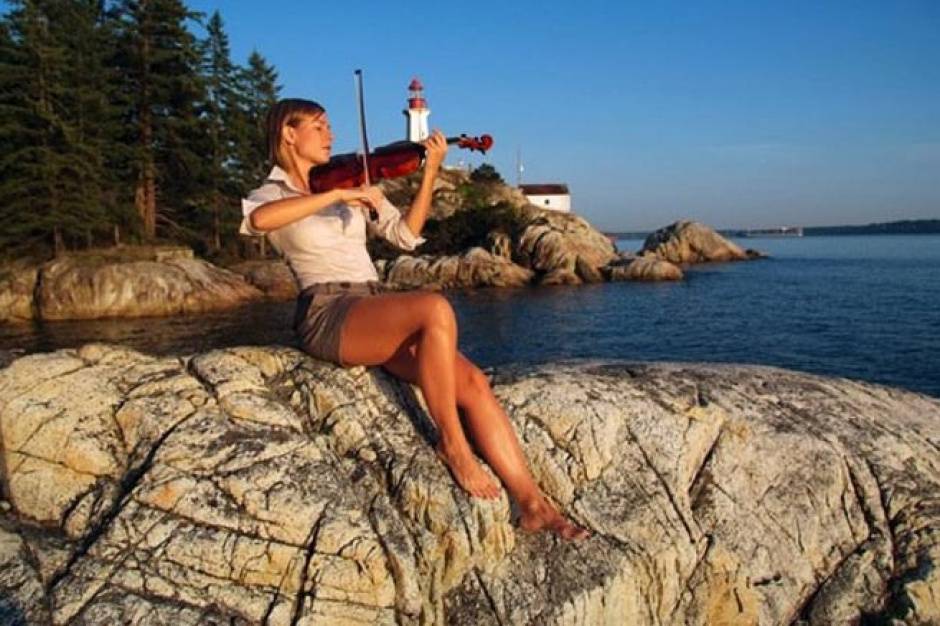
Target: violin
point(401, 158)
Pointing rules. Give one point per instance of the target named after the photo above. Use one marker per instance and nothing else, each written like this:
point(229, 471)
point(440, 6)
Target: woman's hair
point(290, 112)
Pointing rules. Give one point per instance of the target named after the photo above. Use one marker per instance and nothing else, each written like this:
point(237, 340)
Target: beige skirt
point(321, 311)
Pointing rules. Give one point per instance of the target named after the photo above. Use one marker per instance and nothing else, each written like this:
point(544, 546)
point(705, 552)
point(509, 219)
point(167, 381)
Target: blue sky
point(733, 113)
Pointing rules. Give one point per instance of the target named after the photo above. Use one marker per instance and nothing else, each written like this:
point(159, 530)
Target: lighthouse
point(417, 112)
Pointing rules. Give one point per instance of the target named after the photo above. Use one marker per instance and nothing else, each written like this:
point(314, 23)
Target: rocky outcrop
point(642, 269)
point(691, 242)
point(452, 189)
point(499, 244)
point(256, 485)
point(272, 277)
point(474, 268)
point(122, 282)
point(562, 247)
point(80, 288)
point(17, 286)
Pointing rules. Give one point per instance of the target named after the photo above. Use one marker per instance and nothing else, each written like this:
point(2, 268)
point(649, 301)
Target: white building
point(548, 196)
point(417, 112)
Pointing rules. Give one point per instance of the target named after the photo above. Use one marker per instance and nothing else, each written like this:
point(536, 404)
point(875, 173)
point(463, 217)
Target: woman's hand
point(436, 149)
point(370, 197)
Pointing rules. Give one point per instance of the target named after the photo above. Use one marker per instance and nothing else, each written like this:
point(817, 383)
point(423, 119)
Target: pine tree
point(52, 172)
point(222, 122)
point(84, 29)
point(258, 92)
point(162, 95)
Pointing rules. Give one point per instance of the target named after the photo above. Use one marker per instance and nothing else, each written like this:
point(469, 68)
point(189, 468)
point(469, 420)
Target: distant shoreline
point(901, 227)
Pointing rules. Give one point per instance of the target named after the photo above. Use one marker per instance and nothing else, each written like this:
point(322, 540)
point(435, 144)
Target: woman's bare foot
point(467, 471)
point(541, 515)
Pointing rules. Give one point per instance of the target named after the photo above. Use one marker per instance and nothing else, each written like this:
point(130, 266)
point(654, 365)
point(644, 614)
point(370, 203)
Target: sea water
point(864, 307)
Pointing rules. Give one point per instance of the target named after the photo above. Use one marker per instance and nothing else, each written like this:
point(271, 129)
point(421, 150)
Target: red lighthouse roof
point(415, 84)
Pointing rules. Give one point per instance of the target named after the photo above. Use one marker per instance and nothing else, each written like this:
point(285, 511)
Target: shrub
point(486, 173)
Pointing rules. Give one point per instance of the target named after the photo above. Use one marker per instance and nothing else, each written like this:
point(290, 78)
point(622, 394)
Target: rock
point(256, 485)
point(17, 284)
point(561, 246)
point(85, 287)
point(691, 242)
point(499, 244)
point(446, 198)
point(560, 276)
point(474, 268)
point(643, 268)
point(453, 191)
point(501, 193)
point(273, 277)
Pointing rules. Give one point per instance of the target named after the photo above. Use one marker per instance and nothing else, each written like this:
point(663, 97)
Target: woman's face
point(311, 139)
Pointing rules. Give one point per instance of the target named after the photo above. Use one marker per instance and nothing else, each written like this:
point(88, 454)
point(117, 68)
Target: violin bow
point(373, 214)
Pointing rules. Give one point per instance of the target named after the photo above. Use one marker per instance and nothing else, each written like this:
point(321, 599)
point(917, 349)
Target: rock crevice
point(257, 485)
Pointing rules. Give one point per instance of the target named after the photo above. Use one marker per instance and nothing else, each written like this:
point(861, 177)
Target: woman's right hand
point(370, 197)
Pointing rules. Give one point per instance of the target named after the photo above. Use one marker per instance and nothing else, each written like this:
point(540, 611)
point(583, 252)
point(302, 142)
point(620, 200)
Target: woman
point(344, 316)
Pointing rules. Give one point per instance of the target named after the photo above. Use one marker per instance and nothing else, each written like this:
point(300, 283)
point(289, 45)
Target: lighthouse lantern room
point(417, 112)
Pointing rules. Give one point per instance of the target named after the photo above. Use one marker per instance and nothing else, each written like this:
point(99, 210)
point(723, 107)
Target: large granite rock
point(80, 287)
point(120, 282)
point(562, 247)
point(256, 485)
point(474, 268)
point(692, 242)
point(642, 269)
point(17, 287)
point(272, 276)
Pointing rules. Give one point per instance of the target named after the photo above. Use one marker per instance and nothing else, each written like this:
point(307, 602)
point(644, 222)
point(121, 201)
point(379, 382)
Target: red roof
point(415, 84)
point(544, 189)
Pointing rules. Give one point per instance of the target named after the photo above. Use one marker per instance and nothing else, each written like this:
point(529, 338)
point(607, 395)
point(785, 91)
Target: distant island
point(900, 227)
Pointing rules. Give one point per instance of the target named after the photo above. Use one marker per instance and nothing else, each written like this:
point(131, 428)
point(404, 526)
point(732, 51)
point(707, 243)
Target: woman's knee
point(438, 313)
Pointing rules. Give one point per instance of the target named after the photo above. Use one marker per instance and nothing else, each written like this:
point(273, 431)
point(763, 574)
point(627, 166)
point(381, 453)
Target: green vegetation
point(486, 173)
point(470, 227)
point(118, 124)
point(477, 213)
point(464, 229)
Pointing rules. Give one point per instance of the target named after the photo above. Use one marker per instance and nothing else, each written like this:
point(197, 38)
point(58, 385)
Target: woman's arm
point(277, 213)
point(436, 150)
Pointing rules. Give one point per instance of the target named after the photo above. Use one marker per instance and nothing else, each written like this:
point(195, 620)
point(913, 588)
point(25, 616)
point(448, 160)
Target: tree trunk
point(145, 196)
point(216, 222)
point(57, 242)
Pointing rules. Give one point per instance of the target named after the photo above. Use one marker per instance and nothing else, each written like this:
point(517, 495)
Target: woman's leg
point(495, 438)
point(374, 330)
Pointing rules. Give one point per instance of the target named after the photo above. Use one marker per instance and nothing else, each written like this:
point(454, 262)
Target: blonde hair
point(286, 112)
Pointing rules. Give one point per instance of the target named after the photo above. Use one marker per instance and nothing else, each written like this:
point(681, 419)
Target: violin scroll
point(481, 143)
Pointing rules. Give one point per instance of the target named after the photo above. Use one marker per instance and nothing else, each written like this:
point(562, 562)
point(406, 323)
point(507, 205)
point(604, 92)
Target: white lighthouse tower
point(417, 112)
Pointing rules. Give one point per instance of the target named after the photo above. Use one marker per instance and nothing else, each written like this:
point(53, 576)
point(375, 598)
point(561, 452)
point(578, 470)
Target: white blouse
point(329, 245)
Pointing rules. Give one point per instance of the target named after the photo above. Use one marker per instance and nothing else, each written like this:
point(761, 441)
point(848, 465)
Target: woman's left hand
point(436, 149)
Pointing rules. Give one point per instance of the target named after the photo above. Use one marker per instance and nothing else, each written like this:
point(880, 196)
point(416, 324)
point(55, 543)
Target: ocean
point(862, 307)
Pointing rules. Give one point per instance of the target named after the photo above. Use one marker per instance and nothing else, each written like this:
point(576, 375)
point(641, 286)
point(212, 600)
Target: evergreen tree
point(52, 172)
point(222, 121)
point(116, 121)
point(258, 92)
point(485, 173)
point(162, 95)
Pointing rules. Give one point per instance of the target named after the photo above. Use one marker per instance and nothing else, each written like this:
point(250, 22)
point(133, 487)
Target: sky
point(734, 113)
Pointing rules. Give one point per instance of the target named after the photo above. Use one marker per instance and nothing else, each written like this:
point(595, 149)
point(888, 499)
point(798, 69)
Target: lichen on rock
point(258, 485)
